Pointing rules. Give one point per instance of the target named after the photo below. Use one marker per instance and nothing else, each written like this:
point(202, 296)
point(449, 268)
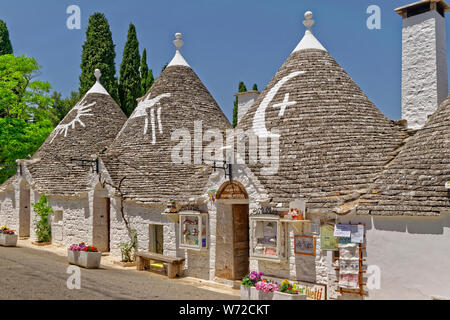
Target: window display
point(268, 237)
point(193, 230)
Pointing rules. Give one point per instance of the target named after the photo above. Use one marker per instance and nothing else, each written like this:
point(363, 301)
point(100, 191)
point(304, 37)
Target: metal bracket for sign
point(94, 164)
point(226, 167)
point(12, 166)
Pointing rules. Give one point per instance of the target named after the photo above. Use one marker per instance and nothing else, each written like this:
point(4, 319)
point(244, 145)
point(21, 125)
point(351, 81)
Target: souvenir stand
point(271, 238)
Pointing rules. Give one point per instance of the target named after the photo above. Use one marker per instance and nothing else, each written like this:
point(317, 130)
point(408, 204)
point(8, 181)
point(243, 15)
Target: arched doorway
point(232, 236)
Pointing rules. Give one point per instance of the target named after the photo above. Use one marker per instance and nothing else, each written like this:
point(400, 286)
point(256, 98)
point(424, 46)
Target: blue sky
point(225, 41)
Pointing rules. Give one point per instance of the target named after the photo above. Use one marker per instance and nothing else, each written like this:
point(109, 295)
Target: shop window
point(267, 238)
point(193, 230)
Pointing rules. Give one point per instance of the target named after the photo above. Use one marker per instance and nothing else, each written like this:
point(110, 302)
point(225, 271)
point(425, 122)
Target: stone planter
point(245, 293)
point(88, 260)
point(287, 296)
point(8, 240)
point(259, 295)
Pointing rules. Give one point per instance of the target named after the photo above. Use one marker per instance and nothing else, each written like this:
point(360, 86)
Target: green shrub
point(129, 248)
point(43, 211)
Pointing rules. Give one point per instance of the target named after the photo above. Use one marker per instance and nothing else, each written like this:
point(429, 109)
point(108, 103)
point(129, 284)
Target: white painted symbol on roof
point(142, 111)
point(284, 104)
point(82, 110)
point(259, 121)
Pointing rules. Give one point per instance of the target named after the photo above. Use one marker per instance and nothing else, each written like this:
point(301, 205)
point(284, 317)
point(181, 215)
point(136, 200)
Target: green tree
point(5, 43)
point(255, 87)
point(98, 53)
point(26, 112)
point(22, 97)
point(43, 212)
point(62, 106)
point(147, 78)
point(130, 77)
point(241, 88)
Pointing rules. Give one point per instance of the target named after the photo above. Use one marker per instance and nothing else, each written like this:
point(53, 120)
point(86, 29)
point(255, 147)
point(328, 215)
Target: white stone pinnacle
point(97, 74)
point(97, 87)
point(309, 22)
point(178, 59)
point(309, 41)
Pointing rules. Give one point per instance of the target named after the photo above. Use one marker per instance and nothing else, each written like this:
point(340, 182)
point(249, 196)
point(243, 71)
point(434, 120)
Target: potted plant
point(288, 291)
point(249, 282)
point(8, 238)
point(264, 290)
point(84, 256)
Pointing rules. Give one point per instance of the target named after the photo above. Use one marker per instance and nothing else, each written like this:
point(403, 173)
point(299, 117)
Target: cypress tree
point(255, 87)
point(5, 43)
point(98, 52)
point(130, 77)
point(241, 88)
point(146, 74)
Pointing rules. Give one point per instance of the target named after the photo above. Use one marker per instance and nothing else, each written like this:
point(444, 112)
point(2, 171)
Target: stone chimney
point(424, 60)
point(245, 101)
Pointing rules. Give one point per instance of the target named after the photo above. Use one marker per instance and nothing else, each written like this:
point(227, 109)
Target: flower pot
point(287, 296)
point(8, 240)
point(259, 295)
point(85, 259)
point(245, 293)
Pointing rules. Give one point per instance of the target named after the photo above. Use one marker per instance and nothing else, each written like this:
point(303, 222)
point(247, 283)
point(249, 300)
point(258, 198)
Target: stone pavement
point(32, 272)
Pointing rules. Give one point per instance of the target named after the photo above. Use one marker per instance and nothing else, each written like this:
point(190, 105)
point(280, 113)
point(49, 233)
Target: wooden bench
point(175, 265)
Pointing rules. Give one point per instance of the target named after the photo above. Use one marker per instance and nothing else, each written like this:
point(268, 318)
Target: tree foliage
point(62, 106)
point(98, 53)
point(130, 77)
point(147, 78)
point(26, 113)
point(241, 88)
point(5, 42)
point(255, 87)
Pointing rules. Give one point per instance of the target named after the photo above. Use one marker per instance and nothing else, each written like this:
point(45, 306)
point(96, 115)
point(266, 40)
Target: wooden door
point(159, 235)
point(24, 213)
point(101, 224)
point(240, 241)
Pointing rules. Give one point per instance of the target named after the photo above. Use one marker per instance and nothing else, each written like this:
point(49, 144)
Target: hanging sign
point(342, 230)
point(349, 233)
point(327, 239)
point(357, 234)
point(305, 245)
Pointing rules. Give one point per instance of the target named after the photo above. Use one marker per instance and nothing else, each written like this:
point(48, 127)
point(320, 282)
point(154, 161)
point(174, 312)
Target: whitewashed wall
point(413, 254)
point(8, 210)
point(76, 224)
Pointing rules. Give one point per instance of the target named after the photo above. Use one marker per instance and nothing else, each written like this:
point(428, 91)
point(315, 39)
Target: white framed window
point(267, 238)
point(193, 230)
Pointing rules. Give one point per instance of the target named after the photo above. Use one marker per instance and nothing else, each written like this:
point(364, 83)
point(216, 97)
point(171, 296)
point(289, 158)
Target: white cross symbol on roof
point(284, 104)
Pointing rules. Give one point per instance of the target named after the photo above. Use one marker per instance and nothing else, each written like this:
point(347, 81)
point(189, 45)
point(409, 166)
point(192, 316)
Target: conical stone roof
point(89, 127)
point(333, 139)
point(414, 183)
point(140, 156)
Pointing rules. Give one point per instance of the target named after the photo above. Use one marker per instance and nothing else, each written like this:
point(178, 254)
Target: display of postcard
point(344, 240)
point(342, 230)
point(357, 234)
